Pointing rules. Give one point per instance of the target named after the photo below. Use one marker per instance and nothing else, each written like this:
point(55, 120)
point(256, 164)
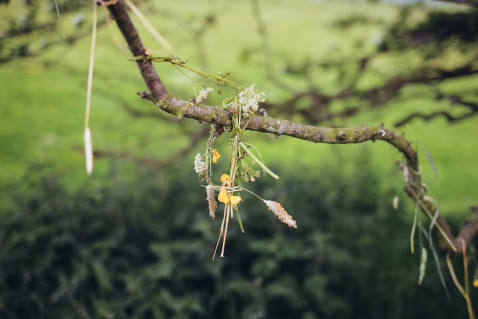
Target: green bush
point(142, 248)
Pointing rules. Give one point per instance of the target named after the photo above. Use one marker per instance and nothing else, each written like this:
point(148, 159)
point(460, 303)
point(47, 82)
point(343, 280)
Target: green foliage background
point(142, 248)
point(133, 241)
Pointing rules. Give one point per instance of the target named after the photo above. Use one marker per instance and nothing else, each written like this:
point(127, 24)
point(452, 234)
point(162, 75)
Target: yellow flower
point(215, 155)
point(224, 196)
point(475, 283)
point(234, 199)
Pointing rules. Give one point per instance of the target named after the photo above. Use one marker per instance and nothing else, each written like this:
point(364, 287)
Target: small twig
point(265, 168)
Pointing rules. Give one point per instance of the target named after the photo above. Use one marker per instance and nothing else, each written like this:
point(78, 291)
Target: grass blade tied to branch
point(87, 133)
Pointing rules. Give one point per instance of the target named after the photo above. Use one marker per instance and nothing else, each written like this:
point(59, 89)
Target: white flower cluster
point(199, 164)
point(203, 94)
point(249, 100)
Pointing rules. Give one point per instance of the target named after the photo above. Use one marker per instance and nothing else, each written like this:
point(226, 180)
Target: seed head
point(280, 212)
point(211, 201)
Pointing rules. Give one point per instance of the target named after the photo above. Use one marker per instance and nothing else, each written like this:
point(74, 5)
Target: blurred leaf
point(110, 250)
point(285, 287)
point(316, 286)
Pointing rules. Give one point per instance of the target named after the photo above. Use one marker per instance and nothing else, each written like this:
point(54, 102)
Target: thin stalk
point(220, 233)
point(206, 74)
point(425, 209)
point(149, 26)
point(258, 161)
point(112, 31)
point(471, 313)
point(240, 221)
point(412, 235)
point(225, 231)
point(87, 134)
point(59, 19)
point(187, 67)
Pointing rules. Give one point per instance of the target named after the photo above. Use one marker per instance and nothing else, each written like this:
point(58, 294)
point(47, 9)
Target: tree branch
point(151, 78)
point(454, 100)
point(427, 117)
point(167, 102)
point(266, 124)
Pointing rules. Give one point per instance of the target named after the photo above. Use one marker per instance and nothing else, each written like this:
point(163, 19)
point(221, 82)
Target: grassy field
point(42, 107)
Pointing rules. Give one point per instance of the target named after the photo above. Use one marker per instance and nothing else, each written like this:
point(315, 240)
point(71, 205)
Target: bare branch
point(427, 117)
point(454, 100)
